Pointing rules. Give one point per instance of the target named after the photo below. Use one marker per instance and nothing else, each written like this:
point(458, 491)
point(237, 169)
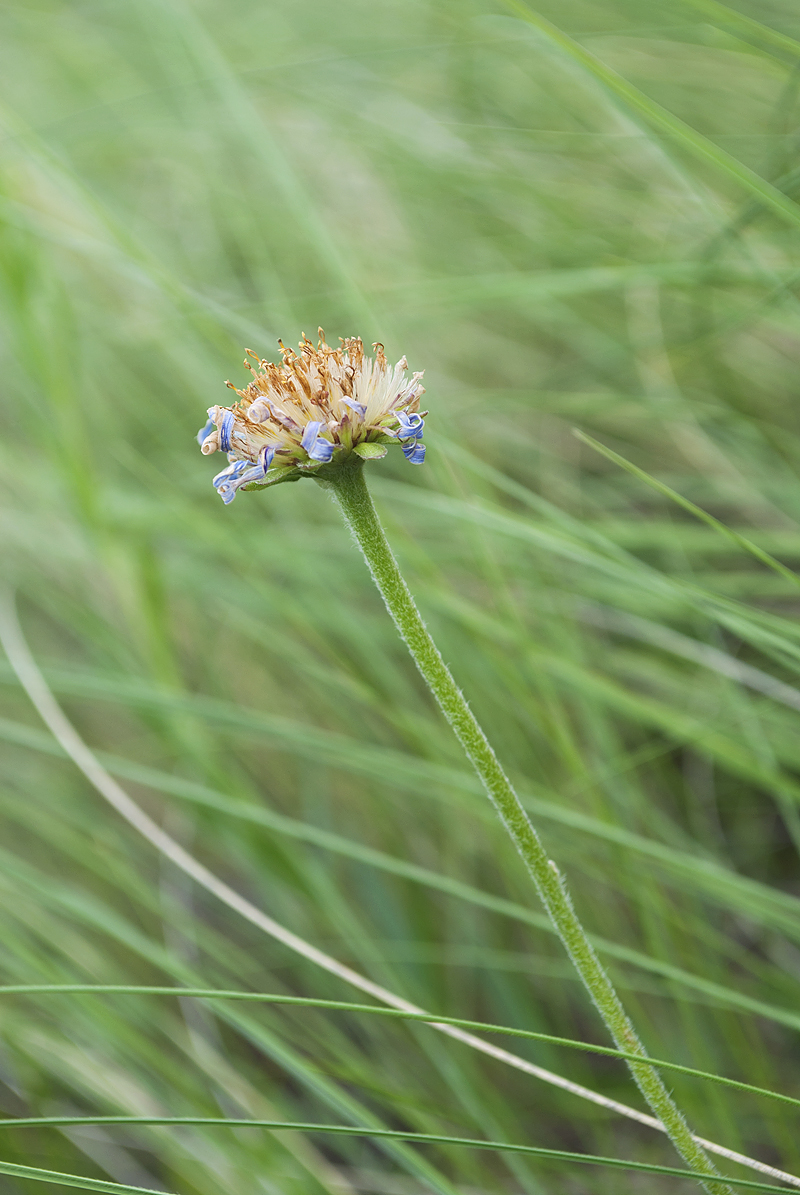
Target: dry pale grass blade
point(33, 682)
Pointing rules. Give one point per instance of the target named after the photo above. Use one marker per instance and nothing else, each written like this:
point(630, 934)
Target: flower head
point(314, 409)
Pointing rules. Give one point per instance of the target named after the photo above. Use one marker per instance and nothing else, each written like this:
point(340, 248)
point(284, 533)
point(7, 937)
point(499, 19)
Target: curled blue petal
point(414, 452)
point(225, 431)
point(239, 473)
point(205, 432)
point(317, 449)
point(410, 425)
point(231, 473)
point(254, 473)
point(322, 451)
point(259, 411)
point(310, 435)
point(358, 407)
point(226, 484)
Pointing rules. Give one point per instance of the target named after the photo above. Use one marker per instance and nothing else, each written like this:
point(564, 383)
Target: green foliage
point(588, 226)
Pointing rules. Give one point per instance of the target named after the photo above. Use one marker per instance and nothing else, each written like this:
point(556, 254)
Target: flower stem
point(349, 488)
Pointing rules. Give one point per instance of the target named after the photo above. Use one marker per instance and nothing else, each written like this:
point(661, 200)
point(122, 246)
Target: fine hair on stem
point(348, 486)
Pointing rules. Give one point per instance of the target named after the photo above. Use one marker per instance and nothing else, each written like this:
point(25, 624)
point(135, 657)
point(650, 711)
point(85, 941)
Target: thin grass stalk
point(30, 677)
point(47, 989)
point(349, 489)
point(284, 1126)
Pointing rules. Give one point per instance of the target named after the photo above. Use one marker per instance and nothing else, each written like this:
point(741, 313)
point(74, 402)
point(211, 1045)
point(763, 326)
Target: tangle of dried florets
point(311, 411)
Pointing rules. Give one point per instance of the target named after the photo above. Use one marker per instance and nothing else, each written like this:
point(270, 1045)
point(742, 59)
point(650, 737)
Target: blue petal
point(259, 411)
point(358, 407)
point(225, 431)
point(410, 425)
point(256, 472)
point(265, 458)
point(239, 473)
point(317, 449)
point(414, 452)
point(206, 431)
point(310, 435)
point(233, 471)
point(322, 451)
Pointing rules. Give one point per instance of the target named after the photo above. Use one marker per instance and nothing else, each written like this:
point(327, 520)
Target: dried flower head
point(312, 411)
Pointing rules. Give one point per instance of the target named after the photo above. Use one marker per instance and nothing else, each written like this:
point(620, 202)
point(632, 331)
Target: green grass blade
point(660, 118)
point(345, 1006)
point(34, 1174)
point(761, 33)
point(728, 995)
point(660, 487)
point(348, 1131)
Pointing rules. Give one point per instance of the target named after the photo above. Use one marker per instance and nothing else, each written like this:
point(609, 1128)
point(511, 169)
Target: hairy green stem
point(349, 488)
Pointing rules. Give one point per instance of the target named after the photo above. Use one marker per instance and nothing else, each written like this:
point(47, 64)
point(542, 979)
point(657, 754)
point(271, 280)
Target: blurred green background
point(181, 181)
